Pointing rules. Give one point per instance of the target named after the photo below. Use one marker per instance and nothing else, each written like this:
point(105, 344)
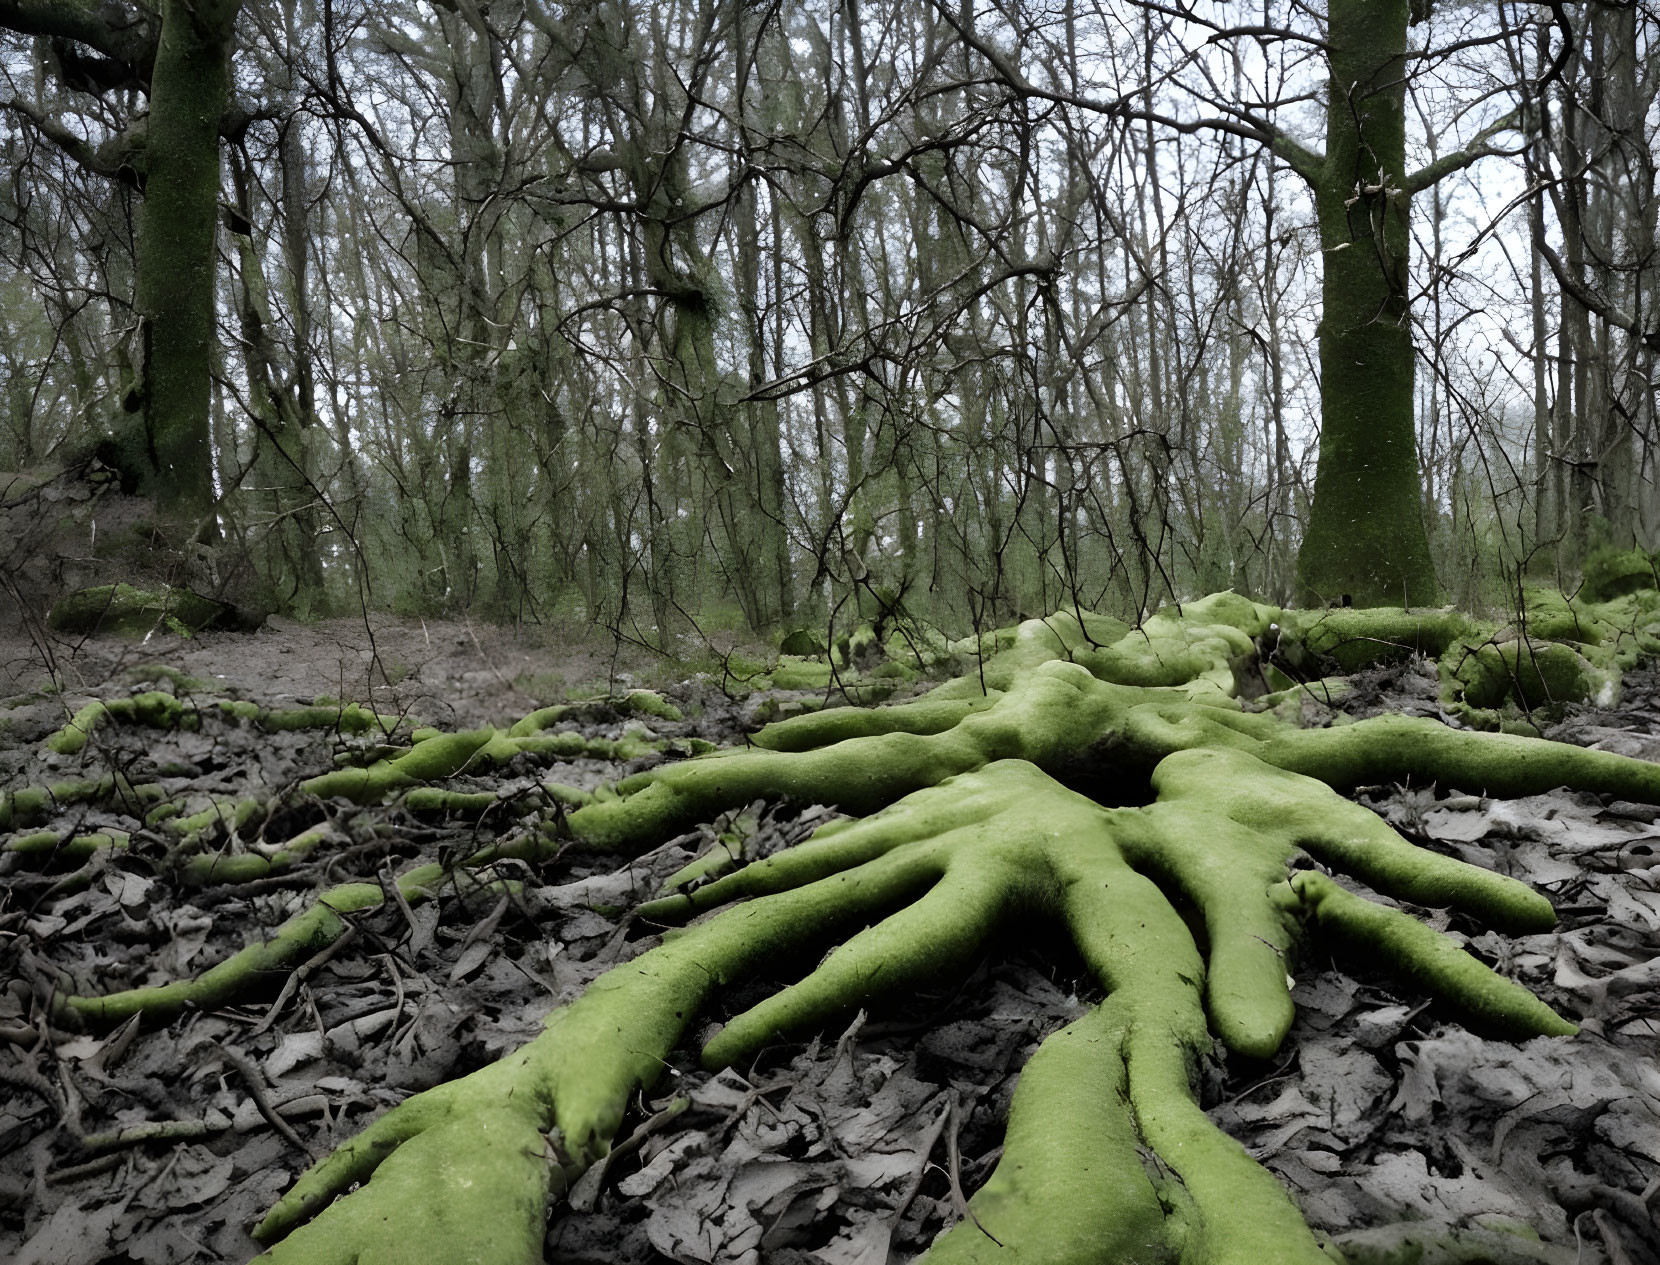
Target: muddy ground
point(855, 1148)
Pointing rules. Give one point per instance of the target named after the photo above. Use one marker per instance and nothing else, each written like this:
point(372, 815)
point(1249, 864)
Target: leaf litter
point(1382, 1118)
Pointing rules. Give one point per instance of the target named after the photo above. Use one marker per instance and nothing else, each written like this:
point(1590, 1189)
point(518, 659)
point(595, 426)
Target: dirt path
point(449, 672)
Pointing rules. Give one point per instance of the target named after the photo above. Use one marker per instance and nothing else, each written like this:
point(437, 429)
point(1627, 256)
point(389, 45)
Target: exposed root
point(940, 871)
point(158, 710)
point(1065, 721)
point(247, 867)
point(259, 967)
point(967, 823)
point(32, 805)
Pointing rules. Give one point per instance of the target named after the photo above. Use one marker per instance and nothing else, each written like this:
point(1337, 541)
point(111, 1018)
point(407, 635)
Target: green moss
point(158, 710)
point(635, 702)
point(802, 643)
point(433, 758)
point(651, 703)
point(177, 680)
point(33, 804)
point(165, 711)
point(260, 966)
point(1433, 962)
point(24, 807)
point(1070, 1188)
point(922, 886)
point(1548, 616)
point(124, 611)
point(742, 667)
point(927, 716)
point(855, 647)
point(52, 845)
point(965, 827)
point(245, 867)
point(1355, 639)
point(920, 647)
point(1611, 573)
point(429, 799)
point(346, 718)
point(1437, 1243)
point(894, 670)
point(800, 674)
point(538, 720)
point(1531, 674)
point(227, 814)
point(1365, 542)
point(174, 294)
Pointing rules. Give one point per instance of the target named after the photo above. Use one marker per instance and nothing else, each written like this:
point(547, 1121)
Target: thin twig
point(955, 1174)
point(300, 974)
point(928, 1145)
point(152, 1131)
point(255, 1082)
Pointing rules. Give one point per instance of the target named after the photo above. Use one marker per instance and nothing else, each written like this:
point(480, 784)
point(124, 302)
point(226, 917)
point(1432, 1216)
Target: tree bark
point(1365, 542)
point(175, 290)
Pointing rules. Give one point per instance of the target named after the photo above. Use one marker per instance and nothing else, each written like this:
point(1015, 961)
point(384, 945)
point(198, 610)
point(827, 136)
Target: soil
point(448, 673)
point(854, 1148)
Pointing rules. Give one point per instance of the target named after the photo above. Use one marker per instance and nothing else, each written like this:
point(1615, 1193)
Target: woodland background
point(740, 312)
point(731, 318)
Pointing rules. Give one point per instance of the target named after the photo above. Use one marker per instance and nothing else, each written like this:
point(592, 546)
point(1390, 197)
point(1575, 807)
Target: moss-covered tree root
point(32, 805)
point(263, 861)
point(980, 803)
point(938, 872)
point(258, 967)
point(153, 708)
point(437, 756)
point(434, 757)
point(161, 710)
point(1081, 730)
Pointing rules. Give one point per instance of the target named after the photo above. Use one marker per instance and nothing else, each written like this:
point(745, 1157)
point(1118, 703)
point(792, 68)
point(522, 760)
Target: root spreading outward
point(972, 814)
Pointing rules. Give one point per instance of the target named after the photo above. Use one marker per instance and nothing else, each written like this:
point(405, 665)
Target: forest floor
point(855, 1148)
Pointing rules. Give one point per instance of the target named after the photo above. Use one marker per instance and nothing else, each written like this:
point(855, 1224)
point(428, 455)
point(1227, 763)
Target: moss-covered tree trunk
point(189, 89)
point(1365, 540)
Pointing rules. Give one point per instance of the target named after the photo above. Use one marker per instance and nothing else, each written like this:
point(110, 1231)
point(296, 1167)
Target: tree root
point(1062, 719)
point(249, 867)
point(967, 822)
point(256, 968)
point(438, 756)
point(32, 805)
point(154, 708)
point(946, 866)
point(1417, 1243)
point(1495, 675)
point(160, 710)
point(55, 845)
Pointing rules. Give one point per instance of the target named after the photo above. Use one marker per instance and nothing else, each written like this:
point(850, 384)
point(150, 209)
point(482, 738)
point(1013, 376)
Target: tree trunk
point(1542, 556)
point(1365, 541)
point(175, 290)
